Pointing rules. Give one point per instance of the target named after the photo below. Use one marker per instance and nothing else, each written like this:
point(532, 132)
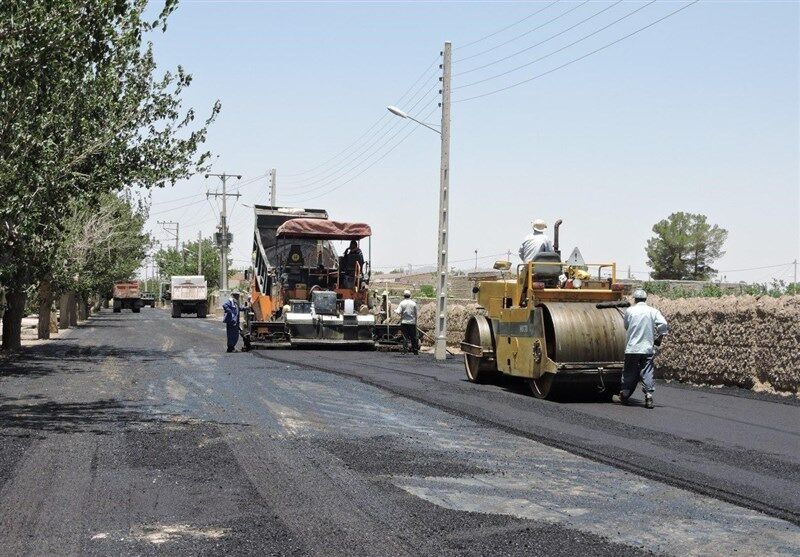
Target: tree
point(685, 247)
point(82, 113)
point(172, 262)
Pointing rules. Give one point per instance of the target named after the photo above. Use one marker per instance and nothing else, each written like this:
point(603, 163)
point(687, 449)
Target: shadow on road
point(48, 359)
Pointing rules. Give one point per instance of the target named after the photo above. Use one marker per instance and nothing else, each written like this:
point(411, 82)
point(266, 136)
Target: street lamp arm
point(397, 112)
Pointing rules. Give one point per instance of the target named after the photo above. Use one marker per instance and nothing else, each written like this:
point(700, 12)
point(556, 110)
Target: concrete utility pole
point(224, 224)
point(273, 193)
point(476, 260)
point(199, 253)
point(440, 347)
point(174, 228)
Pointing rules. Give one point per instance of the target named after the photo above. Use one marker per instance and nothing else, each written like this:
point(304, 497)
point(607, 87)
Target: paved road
point(137, 434)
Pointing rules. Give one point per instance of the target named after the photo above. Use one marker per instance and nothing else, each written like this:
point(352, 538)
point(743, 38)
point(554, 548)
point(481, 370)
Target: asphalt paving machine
point(558, 325)
point(302, 293)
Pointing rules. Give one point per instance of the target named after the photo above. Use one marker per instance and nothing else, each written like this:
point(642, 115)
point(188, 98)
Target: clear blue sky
point(698, 113)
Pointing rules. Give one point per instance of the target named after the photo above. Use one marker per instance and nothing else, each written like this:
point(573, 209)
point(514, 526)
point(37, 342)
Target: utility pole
point(174, 228)
point(795, 272)
point(224, 224)
point(199, 253)
point(508, 254)
point(476, 260)
point(273, 193)
point(440, 347)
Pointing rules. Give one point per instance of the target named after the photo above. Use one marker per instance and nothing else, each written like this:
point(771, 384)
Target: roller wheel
point(479, 333)
point(543, 386)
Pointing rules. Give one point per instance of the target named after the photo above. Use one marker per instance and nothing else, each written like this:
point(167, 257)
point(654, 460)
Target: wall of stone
point(743, 341)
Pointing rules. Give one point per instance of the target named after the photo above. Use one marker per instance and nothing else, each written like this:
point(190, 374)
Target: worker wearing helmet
point(407, 310)
point(646, 328)
point(231, 320)
point(536, 242)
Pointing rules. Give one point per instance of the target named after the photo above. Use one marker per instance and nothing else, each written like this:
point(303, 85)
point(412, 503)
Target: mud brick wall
point(743, 341)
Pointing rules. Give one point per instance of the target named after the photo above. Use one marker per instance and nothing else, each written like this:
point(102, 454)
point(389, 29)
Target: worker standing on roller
point(536, 242)
point(407, 310)
point(231, 320)
point(646, 328)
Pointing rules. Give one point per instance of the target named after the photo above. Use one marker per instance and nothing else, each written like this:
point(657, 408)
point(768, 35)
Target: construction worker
point(407, 310)
point(231, 320)
point(536, 242)
point(352, 256)
point(646, 329)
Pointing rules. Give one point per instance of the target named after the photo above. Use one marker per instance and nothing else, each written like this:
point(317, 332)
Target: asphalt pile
point(744, 341)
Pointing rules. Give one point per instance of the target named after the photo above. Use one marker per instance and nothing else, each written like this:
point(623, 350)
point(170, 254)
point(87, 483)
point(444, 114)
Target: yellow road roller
point(556, 325)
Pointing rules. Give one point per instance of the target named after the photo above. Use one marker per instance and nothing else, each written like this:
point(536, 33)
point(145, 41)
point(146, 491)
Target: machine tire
point(136, 309)
point(117, 310)
point(202, 311)
point(480, 369)
point(543, 386)
point(176, 310)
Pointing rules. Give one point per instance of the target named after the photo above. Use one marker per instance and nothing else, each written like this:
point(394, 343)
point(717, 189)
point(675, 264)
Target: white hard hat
point(406, 293)
point(539, 224)
point(639, 294)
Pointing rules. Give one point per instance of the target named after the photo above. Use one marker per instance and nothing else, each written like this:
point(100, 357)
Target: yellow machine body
point(538, 333)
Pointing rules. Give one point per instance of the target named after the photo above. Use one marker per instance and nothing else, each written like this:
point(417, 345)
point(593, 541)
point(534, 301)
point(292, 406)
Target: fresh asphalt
point(137, 434)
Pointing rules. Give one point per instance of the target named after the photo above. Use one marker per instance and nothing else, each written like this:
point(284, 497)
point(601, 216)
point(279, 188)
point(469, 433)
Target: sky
point(697, 113)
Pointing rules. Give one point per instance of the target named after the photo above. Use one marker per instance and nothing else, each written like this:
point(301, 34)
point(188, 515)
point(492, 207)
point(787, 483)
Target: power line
point(367, 154)
point(377, 122)
point(392, 148)
point(312, 180)
point(507, 27)
point(659, 20)
point(517, 68)
point(551, 37)
point(526, 33)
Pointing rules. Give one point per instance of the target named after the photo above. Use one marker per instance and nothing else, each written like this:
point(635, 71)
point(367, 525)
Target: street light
point(440, 345)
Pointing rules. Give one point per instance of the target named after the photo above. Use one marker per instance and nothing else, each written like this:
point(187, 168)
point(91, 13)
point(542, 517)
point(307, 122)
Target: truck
point(127, 295)
point(189, 294)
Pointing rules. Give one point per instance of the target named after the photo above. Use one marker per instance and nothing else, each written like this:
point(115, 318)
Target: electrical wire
point(593, 33)
point(595, 51)
point(506, 28)
point(311, 180)
point(377, 123)
point(551, 37)
point(392, 148)
point(365, 155)
point(526, 33)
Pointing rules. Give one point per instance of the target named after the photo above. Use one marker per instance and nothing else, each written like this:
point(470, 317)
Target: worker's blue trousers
point(233, 335)
point(638, 367)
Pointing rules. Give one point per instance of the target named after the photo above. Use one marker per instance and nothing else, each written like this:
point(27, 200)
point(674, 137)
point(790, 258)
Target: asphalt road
point(137, 434)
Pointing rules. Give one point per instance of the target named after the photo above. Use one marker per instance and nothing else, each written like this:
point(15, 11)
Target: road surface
point(138, 434)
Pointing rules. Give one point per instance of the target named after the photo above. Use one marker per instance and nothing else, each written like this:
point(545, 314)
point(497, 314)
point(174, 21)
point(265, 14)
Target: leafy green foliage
point(174, 262)
point(684, 247)
point(82, 113)
point(671, 291)
point(426, 291)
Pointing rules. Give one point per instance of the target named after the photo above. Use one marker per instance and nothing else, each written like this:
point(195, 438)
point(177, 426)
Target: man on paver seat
point(352, 255)
point(646, 328)
point(231, 320)
point(407, 310)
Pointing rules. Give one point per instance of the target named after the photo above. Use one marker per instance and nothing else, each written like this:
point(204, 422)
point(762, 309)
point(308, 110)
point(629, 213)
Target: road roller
point(554, 324)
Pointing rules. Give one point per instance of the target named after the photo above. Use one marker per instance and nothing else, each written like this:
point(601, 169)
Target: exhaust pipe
point(555, 236)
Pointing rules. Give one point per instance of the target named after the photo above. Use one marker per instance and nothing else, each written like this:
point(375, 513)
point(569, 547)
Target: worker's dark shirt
point(351, 257)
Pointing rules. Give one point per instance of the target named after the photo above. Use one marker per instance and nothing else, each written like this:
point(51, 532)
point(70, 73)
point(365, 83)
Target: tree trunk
point(83, 309)
point(63, 305)
point(12, 320)
point(73, 309)
point(45, 301)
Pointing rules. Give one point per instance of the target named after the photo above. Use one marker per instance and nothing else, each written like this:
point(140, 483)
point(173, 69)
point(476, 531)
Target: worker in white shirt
point(407, 310)
point(536, 242)
point(646, 328)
